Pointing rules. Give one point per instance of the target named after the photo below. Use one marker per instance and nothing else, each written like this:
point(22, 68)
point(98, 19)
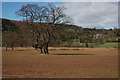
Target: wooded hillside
point(19, 33)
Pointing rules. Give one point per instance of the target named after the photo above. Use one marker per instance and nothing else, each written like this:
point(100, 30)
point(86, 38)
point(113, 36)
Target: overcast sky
point(93, 14)
point(85, 14)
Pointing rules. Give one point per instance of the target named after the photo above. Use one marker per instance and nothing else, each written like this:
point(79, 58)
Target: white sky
point(93, 14)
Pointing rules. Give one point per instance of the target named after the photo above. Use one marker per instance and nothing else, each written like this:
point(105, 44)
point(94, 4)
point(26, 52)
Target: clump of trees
point(13, 35)
point(9, 30)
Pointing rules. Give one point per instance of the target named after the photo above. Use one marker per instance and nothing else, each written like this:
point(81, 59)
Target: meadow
point(61, 62)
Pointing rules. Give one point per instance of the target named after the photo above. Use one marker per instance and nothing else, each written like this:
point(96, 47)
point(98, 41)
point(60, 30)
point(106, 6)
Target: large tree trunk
point(46, 49)
point(37, 39)
point(41, 50)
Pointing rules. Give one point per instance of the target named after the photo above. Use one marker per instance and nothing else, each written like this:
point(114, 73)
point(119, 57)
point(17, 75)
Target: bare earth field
point(60, 63)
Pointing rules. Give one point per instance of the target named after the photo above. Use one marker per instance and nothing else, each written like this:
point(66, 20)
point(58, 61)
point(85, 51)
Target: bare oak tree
point(42, 20)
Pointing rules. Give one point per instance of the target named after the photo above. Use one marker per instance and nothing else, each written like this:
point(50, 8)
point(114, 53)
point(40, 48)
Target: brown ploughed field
point(62, 62)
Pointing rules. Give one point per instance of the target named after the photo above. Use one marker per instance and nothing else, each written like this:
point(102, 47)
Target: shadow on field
point(71, 54)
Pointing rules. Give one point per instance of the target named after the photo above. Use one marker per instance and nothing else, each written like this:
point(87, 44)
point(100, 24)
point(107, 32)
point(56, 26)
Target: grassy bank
point(112, 45)
point(76, 43)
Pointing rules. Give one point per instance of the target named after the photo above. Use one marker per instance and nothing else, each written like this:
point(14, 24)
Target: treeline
point(19, 33)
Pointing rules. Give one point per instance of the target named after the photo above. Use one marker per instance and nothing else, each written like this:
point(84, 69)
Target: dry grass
point(61, 63)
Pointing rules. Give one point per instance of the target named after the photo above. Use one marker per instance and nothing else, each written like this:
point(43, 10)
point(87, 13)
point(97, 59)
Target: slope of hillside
point(64, 35)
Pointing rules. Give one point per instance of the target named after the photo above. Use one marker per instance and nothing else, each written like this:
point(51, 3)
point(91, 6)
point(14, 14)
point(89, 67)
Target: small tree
point(10, 39)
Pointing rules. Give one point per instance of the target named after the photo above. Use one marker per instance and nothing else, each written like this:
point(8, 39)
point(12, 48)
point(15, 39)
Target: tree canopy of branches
point(42, 20)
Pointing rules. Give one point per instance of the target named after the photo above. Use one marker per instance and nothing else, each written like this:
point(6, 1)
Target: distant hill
point(71, 32)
